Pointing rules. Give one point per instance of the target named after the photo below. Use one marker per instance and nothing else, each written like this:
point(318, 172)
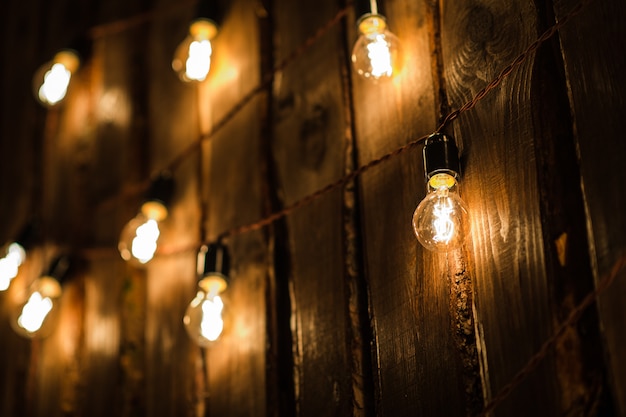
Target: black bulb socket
point(213, 258)
point(441, 156)
point(364, 8)
point(161, 189)
point(60, 268)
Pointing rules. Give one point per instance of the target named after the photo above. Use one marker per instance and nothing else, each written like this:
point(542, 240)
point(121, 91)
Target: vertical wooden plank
point(232, 196)
point(512, 289)
point(594, 67)
point(172, 125)
point(420, 365)
point(309, 151)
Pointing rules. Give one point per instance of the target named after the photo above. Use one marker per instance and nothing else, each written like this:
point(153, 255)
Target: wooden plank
point(231, 192)
point(419, 363)
point(597, 85)
point(309, 151)
point(512, 289)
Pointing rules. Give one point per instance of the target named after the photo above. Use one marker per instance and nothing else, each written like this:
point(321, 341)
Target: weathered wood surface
point(345, 270)
point(419, 364)
point(512, 292)
point(309, 151)
point(591, 46)
point(232, 192)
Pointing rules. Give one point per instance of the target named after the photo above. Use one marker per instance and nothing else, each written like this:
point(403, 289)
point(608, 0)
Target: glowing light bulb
point(139, 237)
point(9, 264)
point(37, 314)
point(53, 78)
point(192, 59)
point(203, 318)
point(376, 53)
point(441, 221)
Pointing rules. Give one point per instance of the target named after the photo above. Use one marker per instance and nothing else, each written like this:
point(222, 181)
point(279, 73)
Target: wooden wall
point(334, 308)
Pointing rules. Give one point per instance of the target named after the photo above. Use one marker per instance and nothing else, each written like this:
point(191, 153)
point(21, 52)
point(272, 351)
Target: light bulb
point(192, 59)
point(203, 318)
point(139, 237)
point(53, 78)
point(138, 241)
point(9, 264)
point(37, 313)
point(441, 221)
point(14, 254)
point(376, 53)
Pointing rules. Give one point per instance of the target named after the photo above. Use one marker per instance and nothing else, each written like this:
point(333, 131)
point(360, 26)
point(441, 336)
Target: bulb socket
point(441, 156)
point(368, 7)
point(59, 268)
point(161, 190)
point(213, 258)
point(210, 10)
point(28, 236)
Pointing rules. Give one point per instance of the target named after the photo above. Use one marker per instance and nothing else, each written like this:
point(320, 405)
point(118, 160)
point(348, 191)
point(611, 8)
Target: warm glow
point(376, 53)
point(380, 56)
point(440, 221)
point(55, 84)
point(34, 312)
point(10, 263)
point(145, 241)
point(198, 64)
point(212, 323)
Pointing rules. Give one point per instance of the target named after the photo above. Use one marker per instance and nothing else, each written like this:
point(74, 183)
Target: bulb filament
point(145, 241)
point(34, 312)
point(380, 56)
point(55, 84)
point(212, 322)
point(198, 63)
point(442, 223)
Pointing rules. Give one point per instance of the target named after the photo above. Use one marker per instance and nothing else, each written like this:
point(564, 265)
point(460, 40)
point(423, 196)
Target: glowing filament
point(198, 63)
point(145, 241)
point(10, 264)
point(442, 212)
point(55, 84)
point(380, 57)
point(34, 312)
point(212, 323)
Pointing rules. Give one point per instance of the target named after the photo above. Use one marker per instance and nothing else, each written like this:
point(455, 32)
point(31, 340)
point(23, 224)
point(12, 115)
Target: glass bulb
point(138, 240)
point(203, 317)
point(53, 78)
point(192, 59)
point(37, 314)
point(440, 221)
point(9, 264)
point(376, 52)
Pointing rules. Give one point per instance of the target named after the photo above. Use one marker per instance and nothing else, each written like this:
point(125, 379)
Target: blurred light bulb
point(441, 221)
point(53, 78)
point(192, 59)
point(203, 318)
point(138, 240)
point(376, 53)
point(9, 264)
point(37, 314)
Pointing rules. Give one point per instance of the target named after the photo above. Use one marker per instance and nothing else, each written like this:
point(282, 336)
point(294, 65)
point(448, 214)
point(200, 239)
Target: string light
point(52, 79)
point(376, 52)
point(37, 313)
point(138, 240)
point(440, 221)
point(192, 59)
point(15, 255)
point(203, 318)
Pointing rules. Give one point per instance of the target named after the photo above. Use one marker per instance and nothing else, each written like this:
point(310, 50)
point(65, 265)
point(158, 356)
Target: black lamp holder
point(60, 268)
point(441, 156)
point(213, 258)
point(161, 189)
point(211, 10)
point(364, 7)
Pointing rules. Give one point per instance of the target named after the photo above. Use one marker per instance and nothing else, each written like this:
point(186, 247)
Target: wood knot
point(313, 137)
point(480, 23)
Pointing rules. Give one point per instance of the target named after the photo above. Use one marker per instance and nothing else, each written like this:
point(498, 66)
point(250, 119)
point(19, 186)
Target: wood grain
point(309, 151)
point(595, 73)
point(512, 305)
